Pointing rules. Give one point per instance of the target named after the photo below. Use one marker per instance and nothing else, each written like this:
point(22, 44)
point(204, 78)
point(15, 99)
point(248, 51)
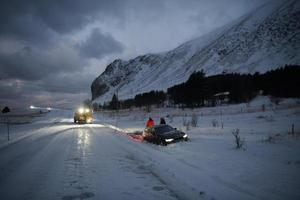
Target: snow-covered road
point(77, 162)
point(52, 158)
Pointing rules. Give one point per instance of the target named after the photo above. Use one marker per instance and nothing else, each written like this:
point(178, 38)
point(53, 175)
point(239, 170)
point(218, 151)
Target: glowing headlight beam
point(80, 110)
point(169, 140)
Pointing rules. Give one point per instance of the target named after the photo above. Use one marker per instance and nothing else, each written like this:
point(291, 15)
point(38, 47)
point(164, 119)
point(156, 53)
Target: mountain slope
point(259, 41)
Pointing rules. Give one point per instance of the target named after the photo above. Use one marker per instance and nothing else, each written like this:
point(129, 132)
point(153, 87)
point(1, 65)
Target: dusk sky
point(51, 50)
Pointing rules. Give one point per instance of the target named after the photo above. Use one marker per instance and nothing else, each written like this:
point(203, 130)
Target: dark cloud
point(9, 89)
point(69, 15)
point(77, 82)
point(98, 44)
point(31, 20)
point(30, 63)
point(46, 46)
point(20, 94)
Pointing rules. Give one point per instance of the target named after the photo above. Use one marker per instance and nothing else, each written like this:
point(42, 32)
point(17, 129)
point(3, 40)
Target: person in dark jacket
point(162, 120)
point(150, 122)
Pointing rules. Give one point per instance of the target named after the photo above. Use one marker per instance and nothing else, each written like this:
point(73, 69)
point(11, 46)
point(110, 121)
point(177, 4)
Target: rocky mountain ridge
point(262, 40)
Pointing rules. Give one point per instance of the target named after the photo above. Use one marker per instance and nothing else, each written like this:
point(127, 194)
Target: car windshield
point(163, 129)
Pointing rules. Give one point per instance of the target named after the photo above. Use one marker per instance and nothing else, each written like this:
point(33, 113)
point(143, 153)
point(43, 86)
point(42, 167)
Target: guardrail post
point(7, 129)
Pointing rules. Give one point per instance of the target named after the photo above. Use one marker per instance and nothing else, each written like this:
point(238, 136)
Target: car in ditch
point(83, 115)
point(163, 134)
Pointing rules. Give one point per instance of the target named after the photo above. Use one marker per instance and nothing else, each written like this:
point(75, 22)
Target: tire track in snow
point(14, 156)
point(223, 182)
point(30, 163)
point(156, 161)
point(34, 132)
point(178, 189)
point(140, 181)
point(77, 169)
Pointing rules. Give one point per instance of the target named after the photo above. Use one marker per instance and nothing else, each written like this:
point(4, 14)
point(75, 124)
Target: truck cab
point(83, 115)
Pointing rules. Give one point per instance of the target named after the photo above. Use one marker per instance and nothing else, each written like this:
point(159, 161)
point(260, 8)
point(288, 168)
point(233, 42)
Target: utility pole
point(5, 111)
point(117, 108)
point(7, 129)
point(221, 118)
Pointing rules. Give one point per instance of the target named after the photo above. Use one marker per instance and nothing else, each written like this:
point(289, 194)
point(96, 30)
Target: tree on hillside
point(114, 103)
point(87, 103)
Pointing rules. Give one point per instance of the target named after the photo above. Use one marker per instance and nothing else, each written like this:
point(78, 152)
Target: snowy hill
point(262, 40)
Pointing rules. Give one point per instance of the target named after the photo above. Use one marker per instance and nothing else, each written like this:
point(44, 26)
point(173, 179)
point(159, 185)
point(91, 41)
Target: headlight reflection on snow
point(83, 138)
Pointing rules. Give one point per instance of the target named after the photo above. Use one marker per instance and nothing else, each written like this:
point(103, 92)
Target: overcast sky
point(51, 50)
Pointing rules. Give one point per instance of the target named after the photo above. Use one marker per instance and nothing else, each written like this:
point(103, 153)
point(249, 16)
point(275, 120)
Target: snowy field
point(49, 157)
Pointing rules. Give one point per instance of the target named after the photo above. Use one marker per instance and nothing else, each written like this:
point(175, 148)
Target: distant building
point(221, 98)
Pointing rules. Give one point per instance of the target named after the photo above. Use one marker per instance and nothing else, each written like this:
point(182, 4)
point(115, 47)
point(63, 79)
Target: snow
point(61, 160)
point(210, 165)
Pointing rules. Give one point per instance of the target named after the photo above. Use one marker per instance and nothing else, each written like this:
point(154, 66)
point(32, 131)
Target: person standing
point(150, 122)
point(162, 120)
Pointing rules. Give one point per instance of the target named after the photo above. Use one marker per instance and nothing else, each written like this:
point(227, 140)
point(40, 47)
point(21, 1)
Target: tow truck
point(83, 115)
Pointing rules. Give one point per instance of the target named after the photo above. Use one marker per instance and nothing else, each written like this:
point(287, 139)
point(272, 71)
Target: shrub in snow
point(269, 139)
point(184, 121)
point(273, 138)
point(239, 143)
point(194, 120)
point(186, 124)
point(214, 123)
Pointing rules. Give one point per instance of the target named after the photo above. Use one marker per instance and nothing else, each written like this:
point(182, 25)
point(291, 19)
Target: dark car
point(163, 134)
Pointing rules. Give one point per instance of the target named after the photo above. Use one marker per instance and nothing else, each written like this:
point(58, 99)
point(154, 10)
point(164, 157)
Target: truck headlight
point(169, 140)
point(184, 136)
point(80, 110)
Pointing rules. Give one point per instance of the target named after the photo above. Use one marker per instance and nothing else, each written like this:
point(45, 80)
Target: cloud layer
point(98, 45)
point(51, 50)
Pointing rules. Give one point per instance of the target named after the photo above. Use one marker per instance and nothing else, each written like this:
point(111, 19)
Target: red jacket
point(150, 123)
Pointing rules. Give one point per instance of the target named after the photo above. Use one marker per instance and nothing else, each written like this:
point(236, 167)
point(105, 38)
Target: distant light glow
point(32, 107)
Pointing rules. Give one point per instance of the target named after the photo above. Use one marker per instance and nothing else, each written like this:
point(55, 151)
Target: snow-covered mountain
point(262, 40)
